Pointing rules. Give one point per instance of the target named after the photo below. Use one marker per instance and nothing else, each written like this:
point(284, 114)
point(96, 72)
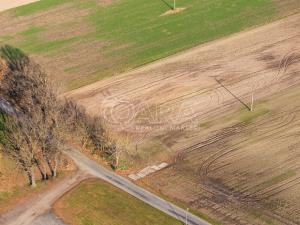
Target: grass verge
point(97, 202)
point(182, 205)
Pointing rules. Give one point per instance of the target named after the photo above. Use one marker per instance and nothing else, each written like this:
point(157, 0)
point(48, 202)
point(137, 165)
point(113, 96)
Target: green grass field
point(38, 6)
point(97, 202)
point(93, 41)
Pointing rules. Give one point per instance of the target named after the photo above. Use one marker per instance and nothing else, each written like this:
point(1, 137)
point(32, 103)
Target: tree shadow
point(236, 97)
point(14, 57)
point(167, 4)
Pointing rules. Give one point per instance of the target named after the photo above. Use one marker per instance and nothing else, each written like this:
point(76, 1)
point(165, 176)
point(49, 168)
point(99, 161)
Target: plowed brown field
point(193, 110)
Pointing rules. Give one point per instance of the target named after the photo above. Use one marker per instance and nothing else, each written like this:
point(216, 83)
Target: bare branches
point(3, 69)
point(29, 92)
point(89, 130)
point(18, 144)
point(34, 133)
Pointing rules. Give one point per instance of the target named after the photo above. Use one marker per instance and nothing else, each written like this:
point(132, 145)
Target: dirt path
point(9, 4)
point(48, 219)
point(27, 213)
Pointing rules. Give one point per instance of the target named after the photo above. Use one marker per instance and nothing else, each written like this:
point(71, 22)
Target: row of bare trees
point(30, 136)
point(89, 131)
point(41, 123)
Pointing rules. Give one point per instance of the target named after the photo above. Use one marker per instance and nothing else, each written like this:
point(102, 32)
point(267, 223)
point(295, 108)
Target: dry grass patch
point(173, 11)
point(14, 188)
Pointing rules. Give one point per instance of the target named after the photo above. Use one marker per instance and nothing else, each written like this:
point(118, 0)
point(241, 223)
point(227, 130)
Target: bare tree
point(28, 90)
point(41, 119)
point(47, 118)
point(18, 145)
point(90, 131)
point(73, 119)
point(121, 146)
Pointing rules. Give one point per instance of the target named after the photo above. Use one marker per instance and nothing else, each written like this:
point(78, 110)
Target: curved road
point(37, 211)
point(89, 166)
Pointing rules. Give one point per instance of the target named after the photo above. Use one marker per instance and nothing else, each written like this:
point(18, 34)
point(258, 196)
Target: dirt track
point(27, 212)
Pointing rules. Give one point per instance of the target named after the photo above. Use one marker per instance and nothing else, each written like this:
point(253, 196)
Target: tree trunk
point(84, 142)
point(55, 166)
point(53, 169)
point(31, 177)
point(54, 174)
point(117, 160)
point(41, 170)
point(50, 167)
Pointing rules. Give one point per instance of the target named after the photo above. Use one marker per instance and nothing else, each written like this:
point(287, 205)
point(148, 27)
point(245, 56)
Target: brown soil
point(198, 84)
point(224, 164)
point(10, 176)
point(285, 7)
point(244, 173)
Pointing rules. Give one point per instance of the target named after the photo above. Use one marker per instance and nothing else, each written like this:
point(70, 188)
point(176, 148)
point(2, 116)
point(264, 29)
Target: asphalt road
point(89, 166)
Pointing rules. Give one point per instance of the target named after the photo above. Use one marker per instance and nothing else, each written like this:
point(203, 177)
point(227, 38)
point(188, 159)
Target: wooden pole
point(186, 216)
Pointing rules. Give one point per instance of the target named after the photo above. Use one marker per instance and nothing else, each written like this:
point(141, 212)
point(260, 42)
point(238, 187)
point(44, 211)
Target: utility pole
point(186, 216)
point(174, 4)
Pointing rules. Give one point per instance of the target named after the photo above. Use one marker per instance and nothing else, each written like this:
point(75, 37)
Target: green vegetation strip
point(248, 117)
point(147, 36)
point(97, 202)
point(135, 32)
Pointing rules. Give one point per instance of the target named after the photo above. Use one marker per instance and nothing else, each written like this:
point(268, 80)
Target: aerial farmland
point(185, 112)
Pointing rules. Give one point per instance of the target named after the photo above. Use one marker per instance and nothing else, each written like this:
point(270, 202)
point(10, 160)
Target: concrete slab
point(148, 170)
